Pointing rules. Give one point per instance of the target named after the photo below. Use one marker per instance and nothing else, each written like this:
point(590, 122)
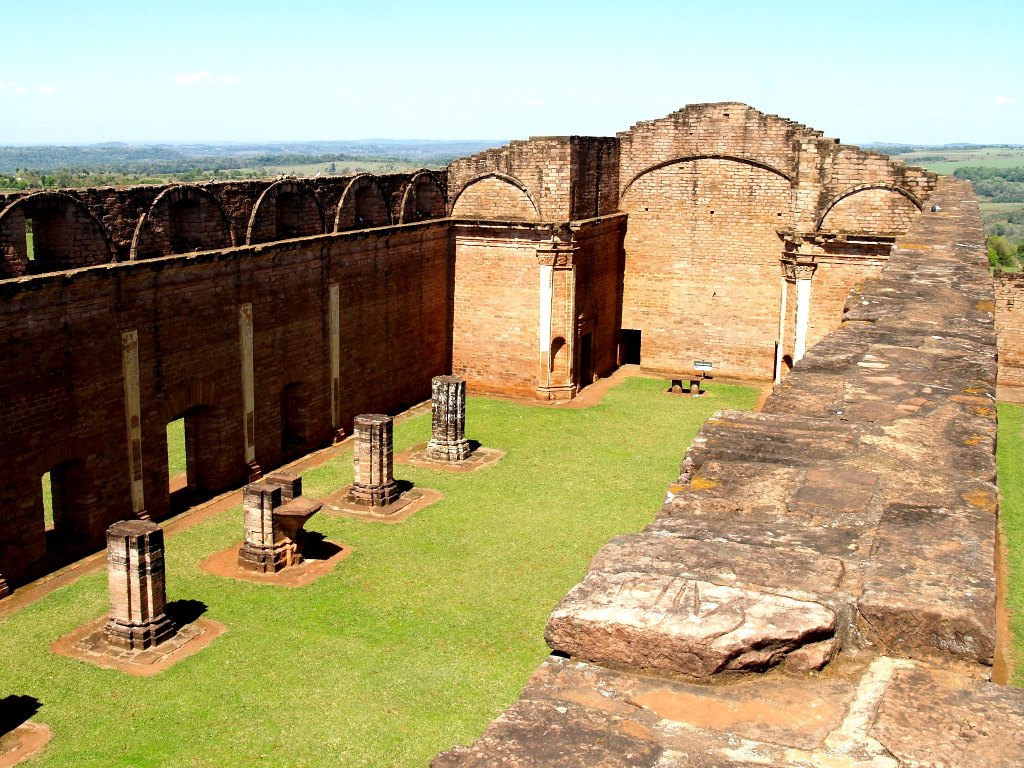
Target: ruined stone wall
point(702, 266)
point(63, 395)
point(542, 167)
point(496, 307)
point(595, 170)
point(598, 301)
point(119, 210)
point(711, 191)
point(1009, 289)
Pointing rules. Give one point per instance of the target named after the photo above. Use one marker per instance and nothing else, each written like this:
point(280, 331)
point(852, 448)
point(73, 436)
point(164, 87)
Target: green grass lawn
point(414, 643)
point(175, 447)
point(989, 157)
point(1009, 454)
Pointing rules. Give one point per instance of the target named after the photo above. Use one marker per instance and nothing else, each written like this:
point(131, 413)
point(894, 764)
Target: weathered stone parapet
point(448, 419)
point(135, 562)
point(275, 513)
point(374, 484)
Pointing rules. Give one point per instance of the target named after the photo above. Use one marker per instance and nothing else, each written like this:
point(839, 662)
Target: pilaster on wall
point(557, 327)
point(248, 390)
point(133, 417)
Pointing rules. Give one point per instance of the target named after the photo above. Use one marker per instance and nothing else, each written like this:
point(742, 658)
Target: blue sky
point(187, 70)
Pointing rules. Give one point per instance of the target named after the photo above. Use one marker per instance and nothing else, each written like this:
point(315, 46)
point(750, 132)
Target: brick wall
point(65, 235)
point(363, 204)
point(598, 302)
point(495, 198)
point(62, 399)
point(702, 266)
point(286, 209)
point(1009, 290)
point(496, 307)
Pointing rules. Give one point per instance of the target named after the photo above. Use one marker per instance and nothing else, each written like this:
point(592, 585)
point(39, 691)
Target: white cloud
point(228, 79)
point(1003, 101)
point(533, 101)
point(190, 78)
point(15, 88)
point(48, 90)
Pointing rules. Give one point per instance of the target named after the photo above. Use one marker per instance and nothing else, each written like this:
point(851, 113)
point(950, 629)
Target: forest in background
point(116, 164)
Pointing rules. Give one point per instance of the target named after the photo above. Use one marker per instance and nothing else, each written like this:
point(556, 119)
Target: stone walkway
point(819, 587)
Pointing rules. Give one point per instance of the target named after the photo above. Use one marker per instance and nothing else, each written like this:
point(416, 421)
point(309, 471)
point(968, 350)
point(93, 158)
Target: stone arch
point(65, 235)
point(876, 211)
point(189, 394)
point(363, 204)
point(702, 233)
point(182, 219)
point(423, 199)
point(495, 196)
point(691, 158)
point(287, 208)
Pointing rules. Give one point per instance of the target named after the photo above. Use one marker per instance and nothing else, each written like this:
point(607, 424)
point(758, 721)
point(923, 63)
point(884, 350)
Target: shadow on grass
point(182, 612)
point(316, 547)
point(16, 710)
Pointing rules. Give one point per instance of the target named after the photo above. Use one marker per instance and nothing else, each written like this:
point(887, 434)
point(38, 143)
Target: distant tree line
point(999, 185)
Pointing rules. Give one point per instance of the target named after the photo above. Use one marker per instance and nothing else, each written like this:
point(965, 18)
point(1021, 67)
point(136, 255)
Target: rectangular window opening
point(30, 245)
point(177, 472)
point(47, 502)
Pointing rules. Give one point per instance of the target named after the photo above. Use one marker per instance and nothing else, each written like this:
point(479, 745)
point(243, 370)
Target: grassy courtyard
point(414, 643)
point(1009, 454)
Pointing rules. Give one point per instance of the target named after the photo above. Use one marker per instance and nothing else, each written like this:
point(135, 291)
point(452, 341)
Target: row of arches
point(494, 195)
point(54, 231)
point(874, 197)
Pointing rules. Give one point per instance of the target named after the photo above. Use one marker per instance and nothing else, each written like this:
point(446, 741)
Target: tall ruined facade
point(267, 315)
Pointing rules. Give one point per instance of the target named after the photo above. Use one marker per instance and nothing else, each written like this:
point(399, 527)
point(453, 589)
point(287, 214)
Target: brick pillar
point(135, 568)
point(374, 484)
point(258, 552)
point(448, 419)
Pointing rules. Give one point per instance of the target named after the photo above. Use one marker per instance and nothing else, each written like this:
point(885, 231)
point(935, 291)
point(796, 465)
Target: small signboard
point(702, 365)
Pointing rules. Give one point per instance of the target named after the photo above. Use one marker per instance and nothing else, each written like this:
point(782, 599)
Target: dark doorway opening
point(294, 418)
point(191, 448)
point(629, 346)
point(66, 498)
point(586, 359)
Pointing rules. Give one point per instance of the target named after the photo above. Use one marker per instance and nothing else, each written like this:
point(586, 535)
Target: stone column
point(135, 568)
point(258, 552)
point(374, 484)
point(804, 271)
point(448, 419)
point(782, 325)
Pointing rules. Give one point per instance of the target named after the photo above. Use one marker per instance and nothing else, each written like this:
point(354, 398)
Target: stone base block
point(443, 450)
point(268, 560)
point(139, 637)
point(374, 495)
point(90, 643)
point(401, 509)
point(478, 458)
